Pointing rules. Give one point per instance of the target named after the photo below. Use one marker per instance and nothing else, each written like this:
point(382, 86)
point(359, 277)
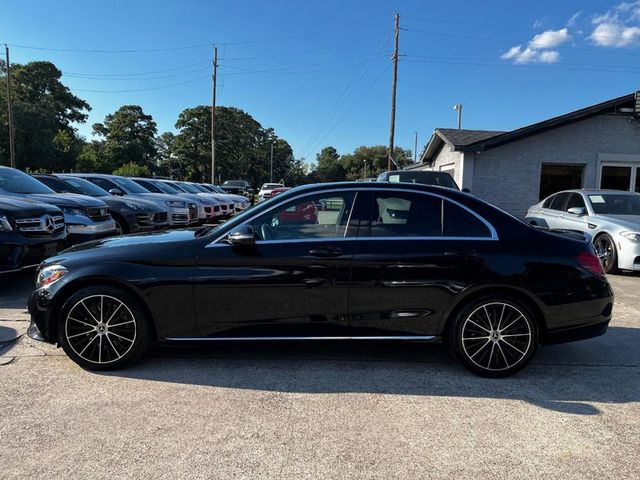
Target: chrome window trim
point(492, 230)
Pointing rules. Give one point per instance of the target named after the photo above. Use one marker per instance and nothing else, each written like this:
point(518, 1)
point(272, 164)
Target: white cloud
point(538, 24)
point(574, 19)
point(549, 39)
point(521, 55)
point(538, 50)
point(617, 27)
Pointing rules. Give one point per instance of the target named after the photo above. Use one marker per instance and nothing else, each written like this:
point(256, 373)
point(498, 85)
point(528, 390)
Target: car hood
point(66, 199)
point(124, 246)
point(119, 202)
point(24, 207)
point(632, 222)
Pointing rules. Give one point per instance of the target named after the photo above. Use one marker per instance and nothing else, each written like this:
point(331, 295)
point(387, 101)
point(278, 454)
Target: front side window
point(313, 216)
point(575, 201)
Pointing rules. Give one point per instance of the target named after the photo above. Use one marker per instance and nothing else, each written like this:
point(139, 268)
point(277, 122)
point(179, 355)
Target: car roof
point(378, 185)
point(595, 191)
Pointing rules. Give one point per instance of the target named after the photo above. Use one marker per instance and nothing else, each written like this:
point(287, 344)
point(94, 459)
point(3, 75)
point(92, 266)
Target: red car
point(301, 213)
point(278, 190)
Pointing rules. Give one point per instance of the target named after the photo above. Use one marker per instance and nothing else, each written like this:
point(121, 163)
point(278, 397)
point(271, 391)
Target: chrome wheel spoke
point(110, 346)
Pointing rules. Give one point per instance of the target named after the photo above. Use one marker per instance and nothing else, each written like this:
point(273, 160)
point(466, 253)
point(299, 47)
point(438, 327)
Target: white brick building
point(595, 147)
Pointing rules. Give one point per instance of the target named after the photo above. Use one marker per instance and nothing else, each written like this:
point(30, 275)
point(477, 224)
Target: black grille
point(193, 211)
point(97, 213)
point(40, 226)
point(160, 217)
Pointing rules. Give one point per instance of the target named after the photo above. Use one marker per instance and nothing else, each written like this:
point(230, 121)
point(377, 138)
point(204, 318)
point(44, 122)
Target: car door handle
point(328, 252)
point(462, 254)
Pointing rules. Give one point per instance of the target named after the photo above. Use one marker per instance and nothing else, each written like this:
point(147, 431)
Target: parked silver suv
point(610, 217)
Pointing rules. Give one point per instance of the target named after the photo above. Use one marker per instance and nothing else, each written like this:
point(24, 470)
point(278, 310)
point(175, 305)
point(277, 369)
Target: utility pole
point(458, 107)
point(12, 146)
point(214, 77)
point(271, 175)
point(415, 148)
point(394, 85)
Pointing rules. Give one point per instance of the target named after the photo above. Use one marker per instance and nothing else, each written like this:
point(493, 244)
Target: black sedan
point(367, 261)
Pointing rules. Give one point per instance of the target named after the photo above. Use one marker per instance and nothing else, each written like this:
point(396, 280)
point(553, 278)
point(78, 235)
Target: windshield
point(234, 183)
point(15, 181)
point(85, 187)
point(441, 179)
point(615, 204)
point(188, 188)
point(129, 185)
point(200, 188)
point(167, 187)
point(271, 186)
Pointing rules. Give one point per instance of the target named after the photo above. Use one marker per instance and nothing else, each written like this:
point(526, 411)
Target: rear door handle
point(327, 252)
point(462, 254)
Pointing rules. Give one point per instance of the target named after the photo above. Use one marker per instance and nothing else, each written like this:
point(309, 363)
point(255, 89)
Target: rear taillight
point(591, 263)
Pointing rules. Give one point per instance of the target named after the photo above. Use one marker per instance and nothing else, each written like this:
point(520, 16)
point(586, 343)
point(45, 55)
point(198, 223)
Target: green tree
point(132, 170)
point(328, 167)
point(129, 137)
point(243, 147)
point(375, 158)
point(166, 159)
point(44, 112)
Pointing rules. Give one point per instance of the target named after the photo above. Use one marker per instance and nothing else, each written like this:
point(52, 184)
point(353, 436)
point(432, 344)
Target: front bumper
point(146, 221)
point(83, 229)
point(628, 254)
point(17, 252)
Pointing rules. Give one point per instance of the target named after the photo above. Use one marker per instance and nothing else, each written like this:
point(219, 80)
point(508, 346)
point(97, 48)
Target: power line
point(132, 74)
point(139, 89)
point(101, 78)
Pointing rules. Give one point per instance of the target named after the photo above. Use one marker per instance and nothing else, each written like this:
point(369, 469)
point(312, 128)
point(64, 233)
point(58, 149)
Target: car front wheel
point(102, 328)
point(606, 250)
point(494, 336)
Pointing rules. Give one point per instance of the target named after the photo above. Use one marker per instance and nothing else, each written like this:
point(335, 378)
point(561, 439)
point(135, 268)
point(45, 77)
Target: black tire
point(121, 226)
point(103, 328)
point(606, 249)
point(491, 349)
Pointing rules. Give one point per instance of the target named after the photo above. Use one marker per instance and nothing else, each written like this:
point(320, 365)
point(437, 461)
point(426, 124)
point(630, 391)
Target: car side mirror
point(578, 211)
point(116, 191)
point(242, 236)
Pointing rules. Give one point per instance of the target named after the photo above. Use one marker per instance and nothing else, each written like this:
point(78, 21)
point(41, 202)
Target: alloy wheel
point(496, 336)
point(605, 250)
point(100, 329)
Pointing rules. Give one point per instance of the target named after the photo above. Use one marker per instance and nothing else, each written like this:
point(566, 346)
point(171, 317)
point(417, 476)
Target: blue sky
point(319, 72)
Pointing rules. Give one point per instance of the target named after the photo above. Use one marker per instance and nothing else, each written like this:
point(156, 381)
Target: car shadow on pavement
point(571, 378)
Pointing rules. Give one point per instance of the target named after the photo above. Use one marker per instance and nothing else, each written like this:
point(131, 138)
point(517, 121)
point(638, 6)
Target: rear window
point(441, 179)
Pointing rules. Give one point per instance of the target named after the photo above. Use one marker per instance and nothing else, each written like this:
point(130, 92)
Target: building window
point(637, 179)
point(555, 178)
point(615, 177)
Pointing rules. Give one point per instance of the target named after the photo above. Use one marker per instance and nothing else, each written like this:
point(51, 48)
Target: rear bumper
point(573, 334)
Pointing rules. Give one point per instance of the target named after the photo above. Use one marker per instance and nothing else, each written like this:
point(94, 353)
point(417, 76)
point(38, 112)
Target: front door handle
point(326, 252)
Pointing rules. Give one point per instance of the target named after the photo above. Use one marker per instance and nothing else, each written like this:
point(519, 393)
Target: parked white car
point(610, 217)
point(266, 189)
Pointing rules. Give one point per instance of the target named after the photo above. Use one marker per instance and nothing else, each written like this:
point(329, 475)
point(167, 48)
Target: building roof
point(456, 138)
point(470, 141)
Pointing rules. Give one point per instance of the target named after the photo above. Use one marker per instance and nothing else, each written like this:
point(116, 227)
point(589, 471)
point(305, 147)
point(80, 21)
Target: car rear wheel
point(102, 328)
point(494, 336)
point(607, 253)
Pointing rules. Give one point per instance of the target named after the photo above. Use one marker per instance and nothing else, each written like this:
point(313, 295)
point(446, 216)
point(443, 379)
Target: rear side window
point(399, 214)
point(558, 201)
point(459, 222)
point(547, 202)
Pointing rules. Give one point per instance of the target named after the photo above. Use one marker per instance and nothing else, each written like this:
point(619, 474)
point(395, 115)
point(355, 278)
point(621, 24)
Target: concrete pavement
point(323, 410)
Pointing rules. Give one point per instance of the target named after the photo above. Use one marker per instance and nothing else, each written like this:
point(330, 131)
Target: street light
point(458, 108)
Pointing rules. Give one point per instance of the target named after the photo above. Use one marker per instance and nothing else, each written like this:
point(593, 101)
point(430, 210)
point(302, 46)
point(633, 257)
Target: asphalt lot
point(321, 410)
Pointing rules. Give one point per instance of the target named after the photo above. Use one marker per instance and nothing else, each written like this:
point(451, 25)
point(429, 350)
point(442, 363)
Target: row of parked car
point(42, 214)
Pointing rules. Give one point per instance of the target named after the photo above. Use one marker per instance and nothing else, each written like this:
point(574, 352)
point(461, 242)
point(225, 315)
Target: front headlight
point(50, 274)
point(176, 204)
point(74, 211)
point(132, 206)
point(633, 236)
point(5, 226)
